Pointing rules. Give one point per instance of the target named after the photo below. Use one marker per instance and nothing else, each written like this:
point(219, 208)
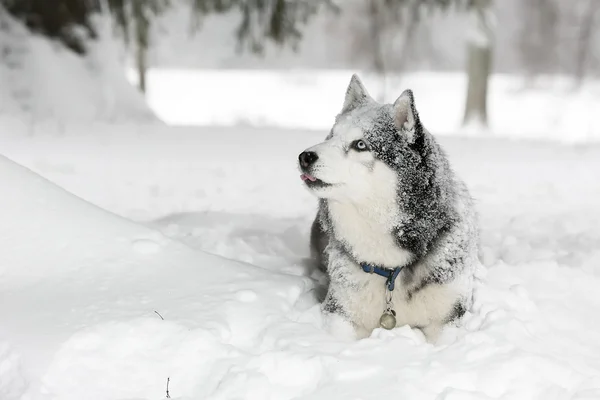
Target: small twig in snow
point(161, 317)
point(168, 379)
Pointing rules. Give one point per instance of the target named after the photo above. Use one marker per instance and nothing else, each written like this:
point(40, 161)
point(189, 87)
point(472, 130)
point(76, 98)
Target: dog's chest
point(368, 236)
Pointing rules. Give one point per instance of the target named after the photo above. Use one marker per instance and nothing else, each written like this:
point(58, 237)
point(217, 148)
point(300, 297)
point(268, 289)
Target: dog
point(396, 230)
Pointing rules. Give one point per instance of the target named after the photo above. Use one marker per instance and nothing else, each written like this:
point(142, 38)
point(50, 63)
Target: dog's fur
point(394, 203)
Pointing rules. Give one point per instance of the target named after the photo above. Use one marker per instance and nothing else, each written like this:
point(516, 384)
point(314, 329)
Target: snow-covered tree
point(134, 18)
point(278, 21)
point(64, 20)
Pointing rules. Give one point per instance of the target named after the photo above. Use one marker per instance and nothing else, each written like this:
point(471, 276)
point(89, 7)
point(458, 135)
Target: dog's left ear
point(356, 95)
point(406, 117)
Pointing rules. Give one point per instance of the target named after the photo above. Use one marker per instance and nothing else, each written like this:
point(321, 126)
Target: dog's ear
point(406, 117)
point(356, 95)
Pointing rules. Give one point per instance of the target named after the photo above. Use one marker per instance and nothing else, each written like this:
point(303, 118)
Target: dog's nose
point(307, 158)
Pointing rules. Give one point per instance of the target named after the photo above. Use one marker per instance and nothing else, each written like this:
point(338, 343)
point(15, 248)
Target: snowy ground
point(79, 286)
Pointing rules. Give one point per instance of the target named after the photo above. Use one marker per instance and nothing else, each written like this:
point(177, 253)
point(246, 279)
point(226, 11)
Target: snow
point(208, 227)
point(99, 289)
point(136, 253)
point(548, 108)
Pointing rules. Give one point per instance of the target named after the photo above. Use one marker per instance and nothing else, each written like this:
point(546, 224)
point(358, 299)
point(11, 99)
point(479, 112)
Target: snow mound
point(89, 298)
point(42, 81)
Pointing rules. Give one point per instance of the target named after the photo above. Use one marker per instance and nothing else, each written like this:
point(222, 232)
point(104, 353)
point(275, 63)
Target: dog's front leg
point(339, 306)
point(337, 318)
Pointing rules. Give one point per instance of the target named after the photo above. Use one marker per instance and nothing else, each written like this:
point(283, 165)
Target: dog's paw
point(339, 327)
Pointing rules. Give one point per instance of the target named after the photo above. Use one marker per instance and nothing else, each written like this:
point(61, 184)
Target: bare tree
point(585, 38)
point(479, 63)
point(405, 16)
point(382, 32)
point(411, 16)
point(539, 37)
point(559, 37)
point(376, 33)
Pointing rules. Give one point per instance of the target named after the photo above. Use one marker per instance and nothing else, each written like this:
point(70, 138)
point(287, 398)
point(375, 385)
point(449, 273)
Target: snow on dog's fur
point(388, 198)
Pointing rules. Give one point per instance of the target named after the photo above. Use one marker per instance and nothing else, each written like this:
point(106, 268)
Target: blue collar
point(389, 274)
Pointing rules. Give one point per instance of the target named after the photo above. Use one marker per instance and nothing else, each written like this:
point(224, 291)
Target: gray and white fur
point(388, 197)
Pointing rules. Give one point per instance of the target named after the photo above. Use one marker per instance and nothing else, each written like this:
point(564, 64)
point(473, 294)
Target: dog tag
point(388, 319)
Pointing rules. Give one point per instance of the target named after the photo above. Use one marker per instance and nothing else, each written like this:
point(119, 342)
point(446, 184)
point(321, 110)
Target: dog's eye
point(359, 145)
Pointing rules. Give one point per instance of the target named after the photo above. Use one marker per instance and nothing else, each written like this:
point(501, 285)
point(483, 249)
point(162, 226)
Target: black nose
point(307, 158)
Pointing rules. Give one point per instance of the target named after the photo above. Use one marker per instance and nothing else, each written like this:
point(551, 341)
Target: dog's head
point(369, 147)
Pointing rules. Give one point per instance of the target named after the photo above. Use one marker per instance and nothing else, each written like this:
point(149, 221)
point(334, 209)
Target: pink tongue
point(307, 177)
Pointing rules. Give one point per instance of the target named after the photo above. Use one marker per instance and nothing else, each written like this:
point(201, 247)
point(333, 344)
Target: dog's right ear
point(407, 119)
point(356, 95)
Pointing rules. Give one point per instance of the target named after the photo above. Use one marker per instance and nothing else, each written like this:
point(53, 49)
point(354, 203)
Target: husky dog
point(396, 229)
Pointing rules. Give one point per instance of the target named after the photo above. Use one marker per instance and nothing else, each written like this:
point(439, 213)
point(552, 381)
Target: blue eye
point(359, 145)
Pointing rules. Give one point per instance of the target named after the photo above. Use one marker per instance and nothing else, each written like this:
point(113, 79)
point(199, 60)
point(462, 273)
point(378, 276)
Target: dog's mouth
point(308, 177)
point(313, 182)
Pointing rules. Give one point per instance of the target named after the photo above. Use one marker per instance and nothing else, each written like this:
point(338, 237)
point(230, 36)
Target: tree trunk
point(140, 56)
point(376, 36)
point(376, 27)
point(479, 62)
point(141, 41)
point(585, 38)
point(410, 25)
point(478, 70)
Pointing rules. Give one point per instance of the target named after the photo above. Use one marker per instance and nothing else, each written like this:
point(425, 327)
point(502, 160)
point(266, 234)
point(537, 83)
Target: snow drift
point(79, 288)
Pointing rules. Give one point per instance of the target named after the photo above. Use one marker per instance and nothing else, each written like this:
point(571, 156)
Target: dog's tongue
point(307, 177)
